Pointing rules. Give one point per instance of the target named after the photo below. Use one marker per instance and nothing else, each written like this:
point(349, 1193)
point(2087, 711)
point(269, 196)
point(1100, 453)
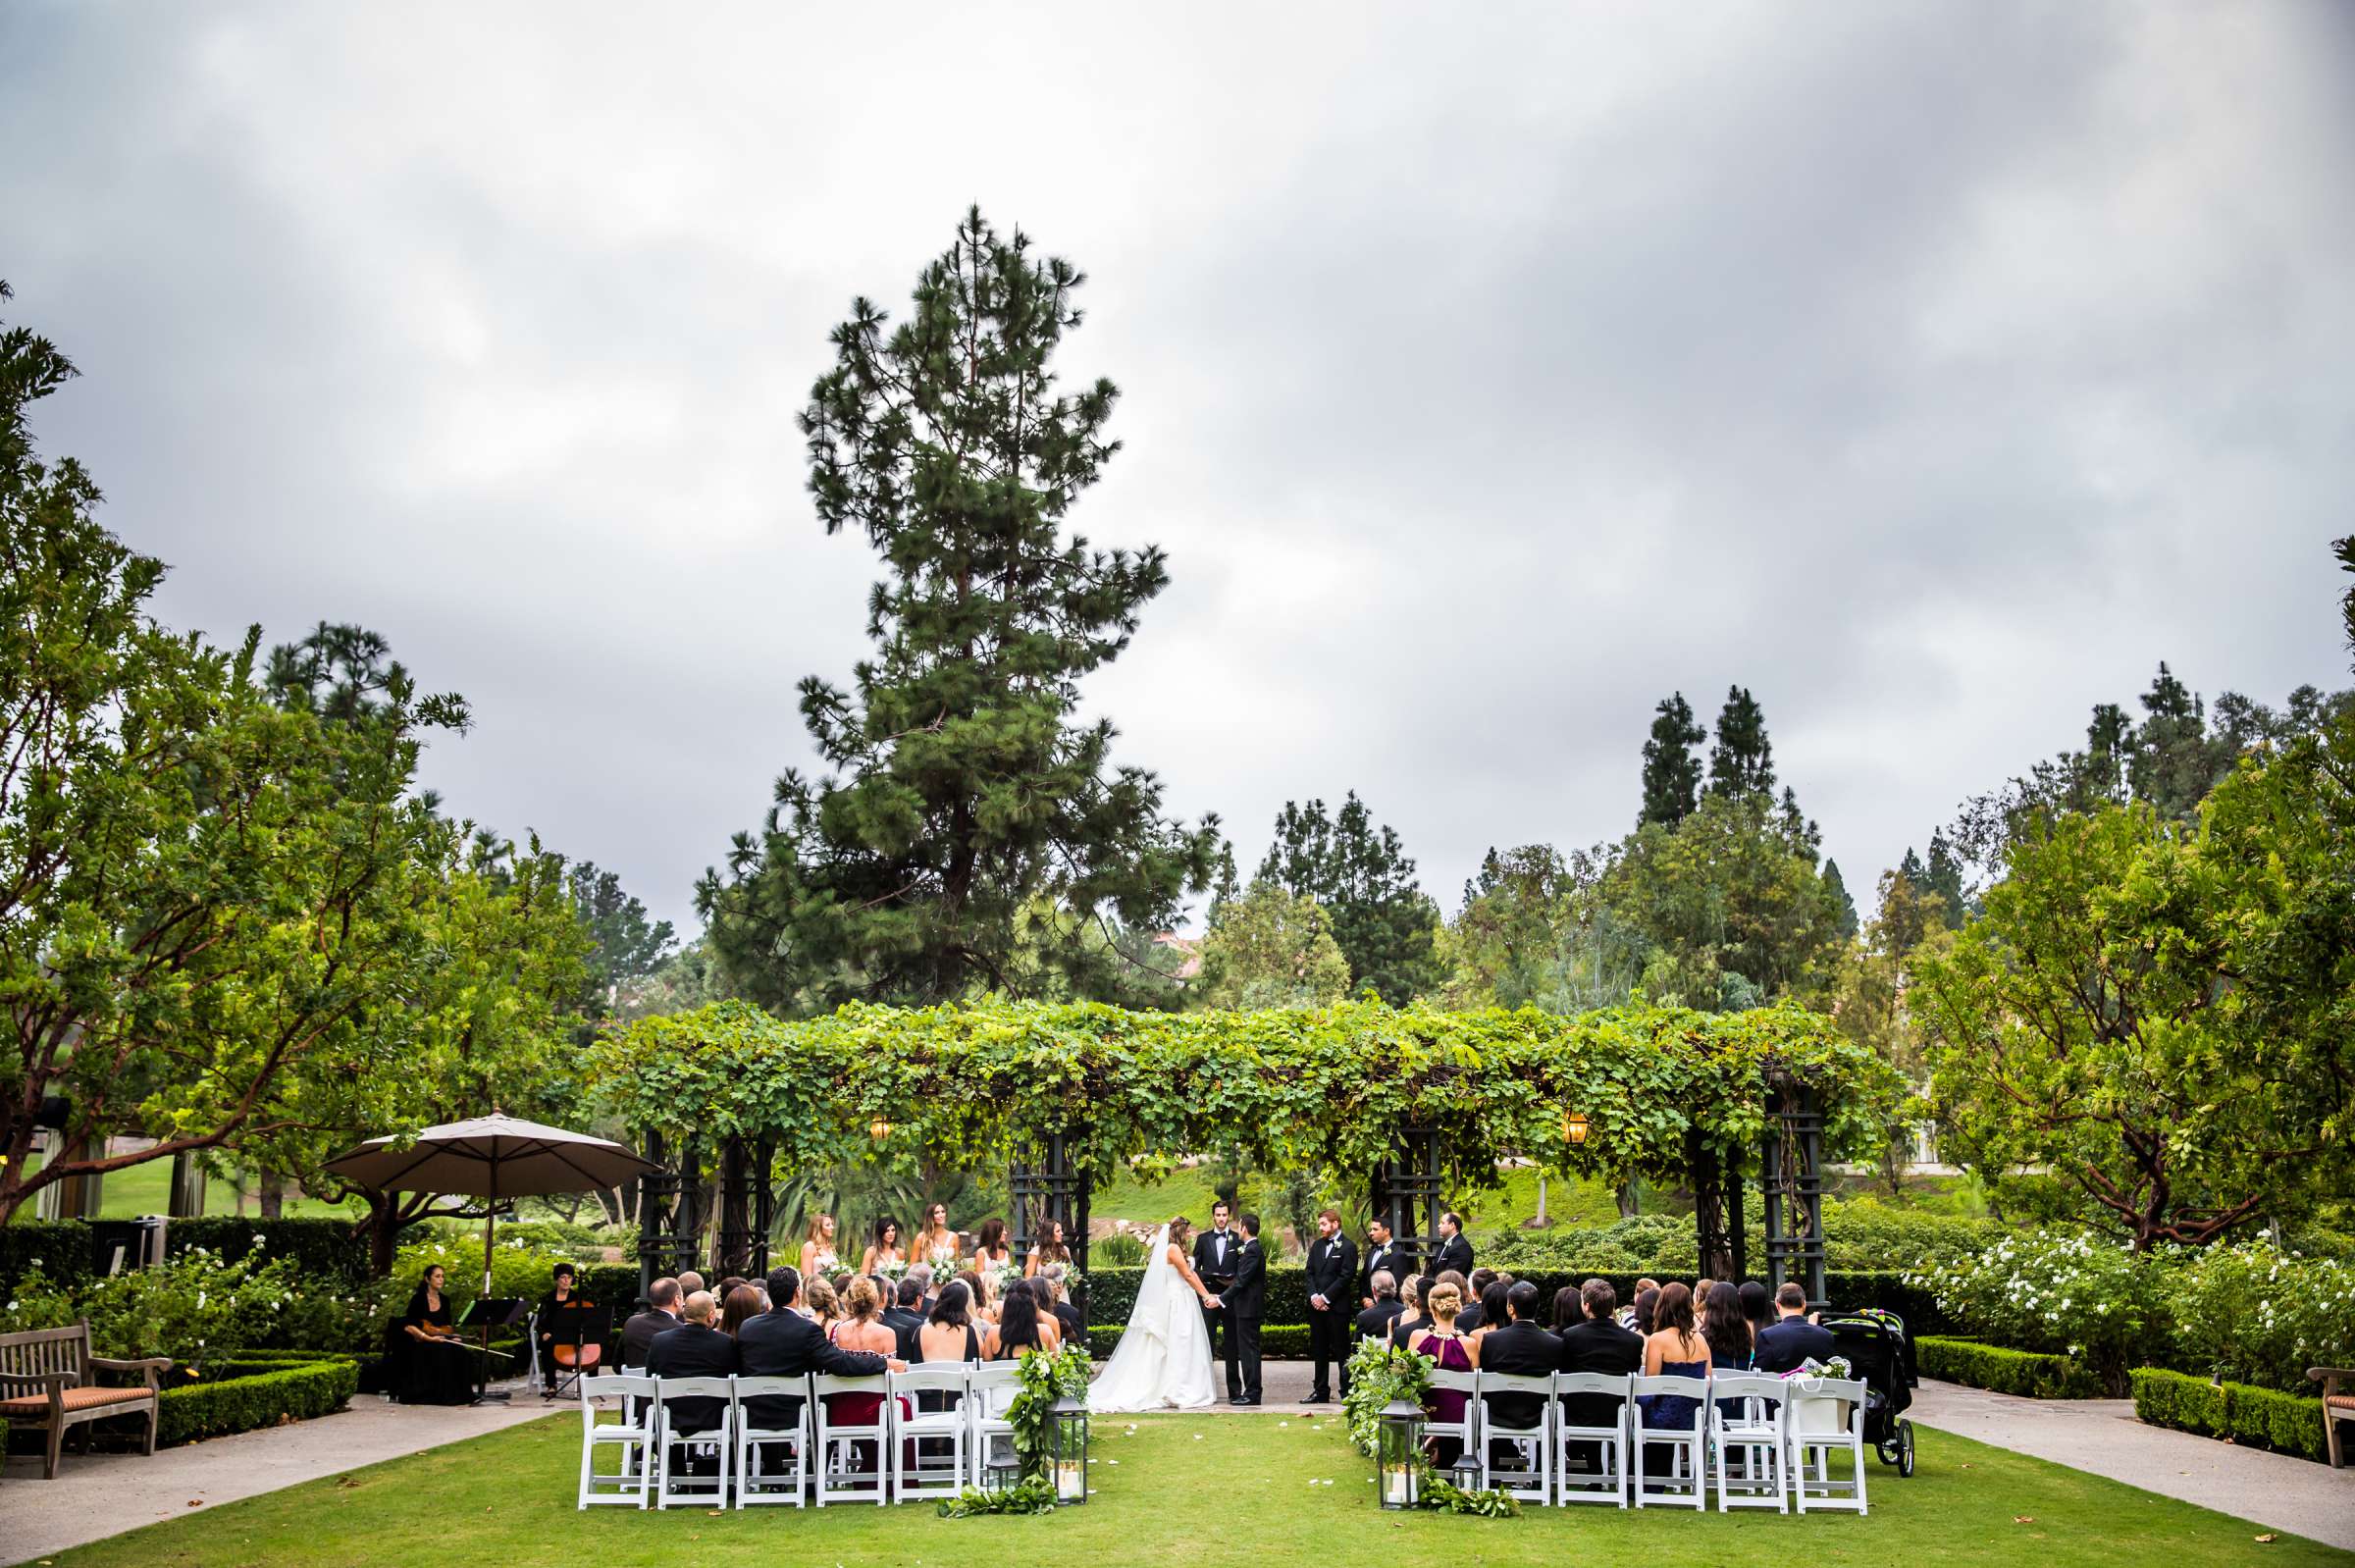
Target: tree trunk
point(273, 1196)
point(1625, 1194)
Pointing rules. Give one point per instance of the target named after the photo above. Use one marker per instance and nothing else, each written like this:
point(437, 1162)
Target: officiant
point(1216, 1251)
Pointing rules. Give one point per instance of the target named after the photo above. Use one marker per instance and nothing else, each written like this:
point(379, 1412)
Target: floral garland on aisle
point(1044, 1378)
point(1379, 1373)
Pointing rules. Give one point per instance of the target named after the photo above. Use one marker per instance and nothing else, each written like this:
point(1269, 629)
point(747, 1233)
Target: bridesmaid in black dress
point(433, 1366)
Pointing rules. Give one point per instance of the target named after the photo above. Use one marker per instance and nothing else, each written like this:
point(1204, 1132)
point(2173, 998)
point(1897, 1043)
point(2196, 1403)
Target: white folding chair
point(1467, 1431)
point(990, 1389)
point(1607, 1481)
point(1755, 1432)
point(1531, 1479)
point(636, 1411)
point(839, 1478)
point(1825, 1416)
point(1686, 1486)
point(670, 1444)
point(624, 1395)
point(921, 1434)
point(760, 1444)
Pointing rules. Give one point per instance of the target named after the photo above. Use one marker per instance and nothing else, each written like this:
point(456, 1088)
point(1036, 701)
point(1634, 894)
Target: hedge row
point(323, 1250)
point(1111, 1293)
point(2234, 1411)
point(214, 1409)
point(1277, 1341)
point(63, 1247)
point(2021, 1372)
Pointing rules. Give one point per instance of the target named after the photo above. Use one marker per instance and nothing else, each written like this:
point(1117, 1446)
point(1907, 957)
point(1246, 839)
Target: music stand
point(483, 1313)
point(580, 1327)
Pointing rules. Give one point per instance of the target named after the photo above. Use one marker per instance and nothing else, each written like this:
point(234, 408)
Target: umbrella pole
point(490, 1218)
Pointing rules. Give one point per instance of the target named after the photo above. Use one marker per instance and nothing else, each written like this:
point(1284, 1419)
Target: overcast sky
point(1488, 372)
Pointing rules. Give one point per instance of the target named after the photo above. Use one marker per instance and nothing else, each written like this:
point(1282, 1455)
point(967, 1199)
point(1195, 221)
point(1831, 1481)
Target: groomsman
point(1454, 1251)
point(1215, 1253)
point(1381, 1254)
point(1331, 1271)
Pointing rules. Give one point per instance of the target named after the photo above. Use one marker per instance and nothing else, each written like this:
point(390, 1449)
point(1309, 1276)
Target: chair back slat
point(1614, 1383)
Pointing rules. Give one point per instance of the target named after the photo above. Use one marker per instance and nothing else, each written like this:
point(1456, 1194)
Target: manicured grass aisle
point(1241, 1492)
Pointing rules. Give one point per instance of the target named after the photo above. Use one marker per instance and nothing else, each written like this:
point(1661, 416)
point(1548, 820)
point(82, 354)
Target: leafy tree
point(1869, 1003)
point(1385, 923)
point(2090, 1022)
point(341, 672)
point(1671, 772)
point(1272, 948)
point(202, 894)
point(963, 786)
point(626, 947)
point(2344, 549)
point(1835, 888)
point(1742, 762)
point(1503, 948)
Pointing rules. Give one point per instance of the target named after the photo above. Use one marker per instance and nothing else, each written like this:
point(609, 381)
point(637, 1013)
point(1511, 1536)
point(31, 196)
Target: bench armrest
point(44, 1382)
point(153, 1366)
point(2329, 1373)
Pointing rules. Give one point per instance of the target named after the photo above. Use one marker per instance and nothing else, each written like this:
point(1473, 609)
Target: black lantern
point(1001, 1464)
point(1398, 1455)
point(1067, 1450)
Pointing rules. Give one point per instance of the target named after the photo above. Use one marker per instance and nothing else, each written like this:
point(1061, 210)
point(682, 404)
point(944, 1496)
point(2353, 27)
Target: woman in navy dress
point(1676, 1349)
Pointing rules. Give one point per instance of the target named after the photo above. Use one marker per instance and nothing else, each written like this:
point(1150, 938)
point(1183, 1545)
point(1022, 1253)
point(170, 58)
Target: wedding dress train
point(1163, 1359)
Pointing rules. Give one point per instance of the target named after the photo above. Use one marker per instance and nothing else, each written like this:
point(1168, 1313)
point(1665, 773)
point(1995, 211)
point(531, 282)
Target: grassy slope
point(508, 1498)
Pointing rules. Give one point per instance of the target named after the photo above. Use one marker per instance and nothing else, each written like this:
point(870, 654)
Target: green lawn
point(1199, 1490)
point(146, 1188)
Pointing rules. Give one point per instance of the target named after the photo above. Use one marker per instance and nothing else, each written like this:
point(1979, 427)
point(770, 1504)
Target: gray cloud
point(1933, 370)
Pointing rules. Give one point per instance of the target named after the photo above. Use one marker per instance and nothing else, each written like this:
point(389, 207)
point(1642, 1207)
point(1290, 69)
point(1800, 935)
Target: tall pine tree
point(962, 792)
point(1383, 920)
point(1742, 762)
point(1671, 772)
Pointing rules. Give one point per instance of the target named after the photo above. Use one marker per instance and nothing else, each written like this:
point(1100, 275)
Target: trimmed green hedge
point(1111, 1293)
point(2253, 1417)
point(215, 1409)
point(2019, 1371)
point(61, 1245)
point(323, 1250)
point(1277, 1341)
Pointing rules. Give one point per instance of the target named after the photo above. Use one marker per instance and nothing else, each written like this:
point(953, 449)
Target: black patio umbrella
point(491, 1157)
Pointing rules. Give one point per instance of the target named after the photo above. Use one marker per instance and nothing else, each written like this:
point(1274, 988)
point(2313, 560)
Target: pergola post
point(1791, 1173)
point(732, 1244)
point(1713, 1233)
point(1049, 1190)
point(1405, 1184)
point(669, 1218)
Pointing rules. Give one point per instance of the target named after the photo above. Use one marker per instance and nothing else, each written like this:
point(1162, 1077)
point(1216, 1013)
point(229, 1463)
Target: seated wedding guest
point(1074, 1326)
point(1627, 1313)
point(1375, 1322)
point(431, 1365)
point(694, 1349)
point(903, 1317)
point(1640, 1316)
point(739, 1307)
point(783, 1343)
point(817, 1249)
point(922, 1274)
point(1048, 1248)
point(1019, 1326)
point(690, 1282)
point(884, 1253)
point(1675, 1349)
point(1412, 1319)
point(1728, 1333)
point(951, 1333)
point(825, 1308)
point(935, 1243)
point(861, 1328)
point(720, 1296)
point(1453, 1353)
point(989, 1246)
point(661, 1313)
point(1493, 1313)
point(1791, 1338)
point(1476, 1300)
point(556, 1315)
point(1514, 1343)
point(1757, 1305)
point(1595, 1342)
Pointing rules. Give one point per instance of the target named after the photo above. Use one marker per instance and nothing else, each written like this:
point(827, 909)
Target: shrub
point(1120, 1250)
point(177, 1308)
point(2027, 1373)
point(2256, 1314)
point(325, 1252)
point(1277, 1341)
point(213, 1409)
point(2076, 1295)
point(2261, 1418)
point(1868, 1233)
point(59, 1249)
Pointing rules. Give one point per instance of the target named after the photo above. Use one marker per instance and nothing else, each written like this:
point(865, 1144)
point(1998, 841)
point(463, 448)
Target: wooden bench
point(46, 1380)
point(2336, 1406)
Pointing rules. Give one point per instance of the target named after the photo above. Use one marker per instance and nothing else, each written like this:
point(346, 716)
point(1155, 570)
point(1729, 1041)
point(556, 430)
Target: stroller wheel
point(1905, 1447)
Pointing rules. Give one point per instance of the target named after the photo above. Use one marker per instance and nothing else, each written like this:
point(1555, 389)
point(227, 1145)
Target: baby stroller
point(1874, 1342)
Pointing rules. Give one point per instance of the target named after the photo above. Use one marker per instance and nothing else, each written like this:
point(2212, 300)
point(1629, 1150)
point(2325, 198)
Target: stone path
point(2102, 1437)
point(101, 1494)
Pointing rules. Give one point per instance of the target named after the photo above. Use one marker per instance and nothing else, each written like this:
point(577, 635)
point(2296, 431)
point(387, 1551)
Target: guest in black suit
point(694, 1349)
point(1332, 1270)
point(1375, 1322)
point(1454, 1251)
point(1595, 1342)
point(903, 1318)
point(1214, 1252)
point(782, 1343)
point(1522, 1347)
point(1791, 1338)
point(1477, 1292)
point(1381, 1253)
point(1241, 1304)
point(660, 1316)
point(925, 1299)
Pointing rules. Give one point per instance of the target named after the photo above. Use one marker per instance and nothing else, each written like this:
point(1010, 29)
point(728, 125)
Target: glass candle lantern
point(1067, 1450)
point(1398, 1454)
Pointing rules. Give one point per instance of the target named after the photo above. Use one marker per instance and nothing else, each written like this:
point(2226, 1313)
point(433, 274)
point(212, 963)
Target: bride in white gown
point(1163, 1359)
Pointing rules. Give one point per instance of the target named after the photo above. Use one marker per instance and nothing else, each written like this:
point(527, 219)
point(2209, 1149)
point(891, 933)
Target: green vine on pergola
point(1325, 1090)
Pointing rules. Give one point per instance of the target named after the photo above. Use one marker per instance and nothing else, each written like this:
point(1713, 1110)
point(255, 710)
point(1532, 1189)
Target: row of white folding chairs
point(1773, 1440)
point(812, 1454)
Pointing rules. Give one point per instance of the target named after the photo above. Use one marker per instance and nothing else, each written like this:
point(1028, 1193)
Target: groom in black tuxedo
point(1214, 1252)
point(1241, 1304)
